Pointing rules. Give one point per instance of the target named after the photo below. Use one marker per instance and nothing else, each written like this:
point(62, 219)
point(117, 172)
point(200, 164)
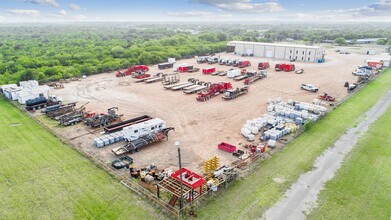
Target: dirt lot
point(199, 126)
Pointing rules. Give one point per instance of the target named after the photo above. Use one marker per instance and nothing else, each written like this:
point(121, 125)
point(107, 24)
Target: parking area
point(199, 126)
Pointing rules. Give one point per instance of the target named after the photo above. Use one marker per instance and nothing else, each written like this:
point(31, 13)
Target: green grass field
point(41, 178)
point(361, 188)
point(250, 197)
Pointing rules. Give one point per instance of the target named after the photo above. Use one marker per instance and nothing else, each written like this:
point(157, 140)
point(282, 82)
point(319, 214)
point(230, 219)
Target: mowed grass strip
point(41, 178)
point(361, 189)
point(253, 195)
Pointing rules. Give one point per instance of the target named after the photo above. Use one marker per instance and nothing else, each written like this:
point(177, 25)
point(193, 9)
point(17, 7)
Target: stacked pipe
point(282, 118)
point(144, 140)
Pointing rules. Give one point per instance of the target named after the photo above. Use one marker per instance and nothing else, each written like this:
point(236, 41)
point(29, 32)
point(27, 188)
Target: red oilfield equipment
point(213, 90)
point(132, 69)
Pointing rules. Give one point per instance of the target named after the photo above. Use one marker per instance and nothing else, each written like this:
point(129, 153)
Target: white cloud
point(2, 18)
point(379, 11)
point(242, 6)
point(44, 2)
point(26, 13)
point(381, 8)
point(62, 13)
point(199, 14)
point(74, 7)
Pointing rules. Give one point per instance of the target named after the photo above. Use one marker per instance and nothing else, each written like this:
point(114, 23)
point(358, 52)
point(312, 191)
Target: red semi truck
point(263, 65)
point(243, 64)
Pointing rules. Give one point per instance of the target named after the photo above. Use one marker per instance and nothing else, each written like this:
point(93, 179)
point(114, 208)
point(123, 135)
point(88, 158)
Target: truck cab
point(212, 60)
point(223, 61)
point(289, 67)
point(279, 67)
point(243, 64)
point(263, 65)
point(202, 59)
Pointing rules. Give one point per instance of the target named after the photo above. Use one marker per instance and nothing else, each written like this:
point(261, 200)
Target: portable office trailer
point(136, 131)
point(29, 84)
point(3, 87)
point(302, 53)
point(32, 93)
point(12, 92)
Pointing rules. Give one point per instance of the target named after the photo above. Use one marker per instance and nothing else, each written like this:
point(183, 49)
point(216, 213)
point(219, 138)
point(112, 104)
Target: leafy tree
point(381, 42)
point(117, 51)
point(340, 41)
point(27, 75)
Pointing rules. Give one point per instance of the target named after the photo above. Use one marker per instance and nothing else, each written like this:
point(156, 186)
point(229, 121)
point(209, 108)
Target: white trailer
point(233, 73)
point(136, 131)
point(3, 87)
point(12, 92)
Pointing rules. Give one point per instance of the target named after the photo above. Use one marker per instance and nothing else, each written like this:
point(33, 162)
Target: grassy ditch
point(361, 187)
point(41, 178)
point(251, 196)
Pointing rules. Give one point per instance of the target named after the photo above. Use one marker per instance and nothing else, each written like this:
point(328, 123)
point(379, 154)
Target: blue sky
point(193, 10)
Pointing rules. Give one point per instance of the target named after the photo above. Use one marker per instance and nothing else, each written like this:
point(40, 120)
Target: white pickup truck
point(309, 87)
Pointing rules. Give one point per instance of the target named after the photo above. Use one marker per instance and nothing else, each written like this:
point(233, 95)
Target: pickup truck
point(309, 87)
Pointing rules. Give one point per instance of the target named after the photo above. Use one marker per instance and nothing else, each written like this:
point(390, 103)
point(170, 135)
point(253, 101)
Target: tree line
point(49, 52)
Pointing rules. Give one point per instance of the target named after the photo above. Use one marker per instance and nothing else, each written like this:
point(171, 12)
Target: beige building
point(302, 53)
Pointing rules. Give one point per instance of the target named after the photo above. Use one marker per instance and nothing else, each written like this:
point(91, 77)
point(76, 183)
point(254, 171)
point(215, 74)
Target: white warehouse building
point(302, 53)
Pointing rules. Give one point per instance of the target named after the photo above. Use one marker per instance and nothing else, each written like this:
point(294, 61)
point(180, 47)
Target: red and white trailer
point(209, 70)
point(184, 68)
point(378, 63)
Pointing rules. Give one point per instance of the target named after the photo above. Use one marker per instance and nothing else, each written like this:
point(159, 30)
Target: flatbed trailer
point(180, 87)
point(141, 80)
point(234, 93)
point(238, 78)
point(154, 79)
point(62, 110)
point(136, 145)
point(120, 125)
point(175, 84)
point(195, 89)
point(72, 119)
point(190, 87)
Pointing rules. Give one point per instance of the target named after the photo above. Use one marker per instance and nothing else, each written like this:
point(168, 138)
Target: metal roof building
point(302, 53)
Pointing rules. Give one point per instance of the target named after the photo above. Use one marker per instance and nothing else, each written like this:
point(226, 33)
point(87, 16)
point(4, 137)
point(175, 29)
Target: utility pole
point(180, 175)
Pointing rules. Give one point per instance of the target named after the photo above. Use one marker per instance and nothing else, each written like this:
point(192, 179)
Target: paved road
point(302, 195)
